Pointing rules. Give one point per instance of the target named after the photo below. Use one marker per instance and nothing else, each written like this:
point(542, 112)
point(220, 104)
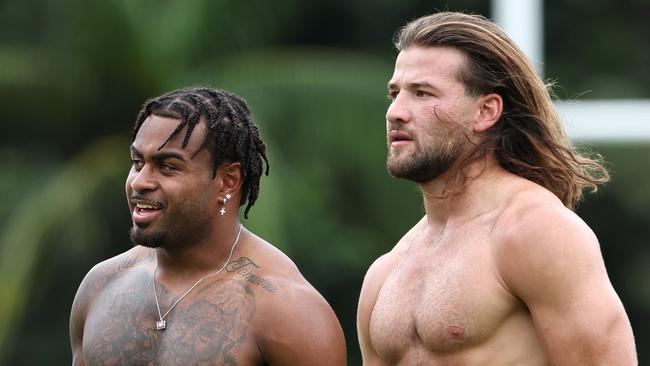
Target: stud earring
point(222, 210)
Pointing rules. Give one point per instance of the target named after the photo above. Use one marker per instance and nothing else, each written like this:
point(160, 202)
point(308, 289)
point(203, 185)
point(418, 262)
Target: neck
point(186, 264)
point(445, 200)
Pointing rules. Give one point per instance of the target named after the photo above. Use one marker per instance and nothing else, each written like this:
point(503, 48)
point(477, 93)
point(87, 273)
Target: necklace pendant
point(161, 325)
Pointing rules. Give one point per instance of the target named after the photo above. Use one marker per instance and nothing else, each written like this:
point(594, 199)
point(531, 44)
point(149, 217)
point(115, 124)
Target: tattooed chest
point(212, 327)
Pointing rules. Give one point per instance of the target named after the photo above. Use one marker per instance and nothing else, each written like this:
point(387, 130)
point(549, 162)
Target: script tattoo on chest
point(245, 267)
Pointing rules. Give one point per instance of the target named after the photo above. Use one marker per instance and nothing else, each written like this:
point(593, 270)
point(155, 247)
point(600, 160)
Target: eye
point(422, 93)
point(167, 167)
point(137, 164)
point(392, 94)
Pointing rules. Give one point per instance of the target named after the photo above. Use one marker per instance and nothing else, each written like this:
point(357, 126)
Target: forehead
point(433, 65)
point(155, 130)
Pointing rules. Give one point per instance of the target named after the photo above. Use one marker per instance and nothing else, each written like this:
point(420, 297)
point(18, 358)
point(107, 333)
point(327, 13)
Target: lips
point(144, 212)
point(398, 138)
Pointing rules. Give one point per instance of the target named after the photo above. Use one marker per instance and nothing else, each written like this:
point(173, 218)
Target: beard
point(179, 227)
point(430, 161)
point(149, 239)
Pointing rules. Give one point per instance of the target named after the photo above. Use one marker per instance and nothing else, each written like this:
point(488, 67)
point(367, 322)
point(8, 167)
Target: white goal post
point(603, 120)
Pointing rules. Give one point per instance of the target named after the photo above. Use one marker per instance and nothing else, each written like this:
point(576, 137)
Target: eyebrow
point(413, 85)
point(160, 155)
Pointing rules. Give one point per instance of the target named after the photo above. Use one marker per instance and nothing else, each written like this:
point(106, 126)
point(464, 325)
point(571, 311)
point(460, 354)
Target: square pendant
point(161, 325)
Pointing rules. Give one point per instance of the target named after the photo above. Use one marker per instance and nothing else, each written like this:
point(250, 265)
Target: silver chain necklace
point(162, 323)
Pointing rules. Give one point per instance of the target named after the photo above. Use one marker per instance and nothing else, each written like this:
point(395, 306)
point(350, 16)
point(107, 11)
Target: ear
point(490, 109)
point(230, 179)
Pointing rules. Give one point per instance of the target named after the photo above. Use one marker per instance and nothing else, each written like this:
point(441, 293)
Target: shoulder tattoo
point(246, 268)
point(128, 262)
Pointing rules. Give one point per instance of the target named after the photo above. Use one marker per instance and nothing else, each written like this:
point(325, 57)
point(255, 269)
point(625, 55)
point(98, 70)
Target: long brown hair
point(528, 140)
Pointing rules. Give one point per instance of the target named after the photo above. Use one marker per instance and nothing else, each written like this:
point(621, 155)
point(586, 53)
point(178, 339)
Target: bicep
point(581, 322)
point(304, 331)
point(560, 275)
point(77, 320)
point(75, 344)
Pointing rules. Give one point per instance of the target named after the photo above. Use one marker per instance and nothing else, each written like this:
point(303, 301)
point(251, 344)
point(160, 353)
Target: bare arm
point(371, 285)
point(76, 335)
point(78, 319)
point(552, 261)
point(300, 328)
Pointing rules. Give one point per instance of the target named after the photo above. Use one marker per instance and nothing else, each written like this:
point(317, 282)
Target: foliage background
point(74, 73)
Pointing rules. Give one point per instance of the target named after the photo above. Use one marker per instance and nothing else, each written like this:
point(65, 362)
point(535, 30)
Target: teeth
point(143, 206)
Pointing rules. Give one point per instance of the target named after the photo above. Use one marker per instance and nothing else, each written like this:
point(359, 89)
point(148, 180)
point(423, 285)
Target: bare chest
point(210, 327)
point(438, 302)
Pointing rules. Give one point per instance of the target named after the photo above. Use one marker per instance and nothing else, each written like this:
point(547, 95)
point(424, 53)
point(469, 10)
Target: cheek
point(440, 114)
point(129, 179)
point(431, 111)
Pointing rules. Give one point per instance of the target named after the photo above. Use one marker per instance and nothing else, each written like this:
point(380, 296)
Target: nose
point(398, 110)
point(143, 180)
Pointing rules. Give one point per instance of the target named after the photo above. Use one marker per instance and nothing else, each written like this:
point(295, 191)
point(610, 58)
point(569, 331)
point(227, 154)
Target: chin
point(398, 168)
point(140, 236)
point(418, 173)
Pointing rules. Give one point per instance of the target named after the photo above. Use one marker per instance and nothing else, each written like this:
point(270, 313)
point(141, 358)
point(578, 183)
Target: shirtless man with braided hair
point(198, 287)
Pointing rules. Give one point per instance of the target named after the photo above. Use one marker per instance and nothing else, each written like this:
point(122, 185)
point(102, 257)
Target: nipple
point(456, 331)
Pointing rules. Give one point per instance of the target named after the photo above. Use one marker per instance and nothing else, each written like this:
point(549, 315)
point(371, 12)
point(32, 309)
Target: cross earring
point(222, 210)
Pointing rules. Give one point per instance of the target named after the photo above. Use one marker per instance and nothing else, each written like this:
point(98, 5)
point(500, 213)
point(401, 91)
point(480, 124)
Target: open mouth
point(144, 213)
point(144, 208)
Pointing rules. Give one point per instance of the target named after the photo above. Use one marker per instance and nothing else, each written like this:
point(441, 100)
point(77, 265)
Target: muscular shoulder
point(294, 322)
point(120, 264)
point(265, 267)
point(382, 266)
point(536, 233)
point(274, 274)
point(96, 280)
point(532, 214)
point(106, 271)
point(550, 259)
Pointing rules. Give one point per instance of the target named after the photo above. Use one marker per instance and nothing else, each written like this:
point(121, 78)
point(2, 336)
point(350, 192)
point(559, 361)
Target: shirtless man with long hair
point(500, 270)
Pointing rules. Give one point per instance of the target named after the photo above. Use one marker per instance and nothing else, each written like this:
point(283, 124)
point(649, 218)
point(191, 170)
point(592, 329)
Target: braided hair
point(232, 135)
